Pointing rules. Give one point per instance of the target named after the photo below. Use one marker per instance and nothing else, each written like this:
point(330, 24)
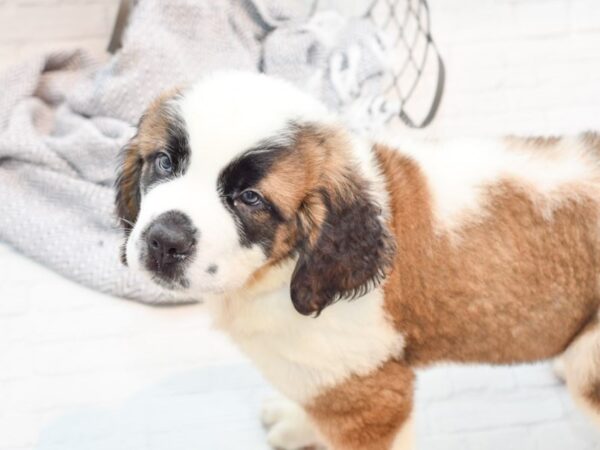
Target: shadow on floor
point(214, 408)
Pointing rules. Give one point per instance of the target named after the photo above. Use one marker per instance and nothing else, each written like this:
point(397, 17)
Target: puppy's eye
point(250, 198)
point(163, 163)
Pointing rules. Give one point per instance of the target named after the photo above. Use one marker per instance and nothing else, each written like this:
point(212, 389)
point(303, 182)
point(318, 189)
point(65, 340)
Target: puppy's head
point(239, 173)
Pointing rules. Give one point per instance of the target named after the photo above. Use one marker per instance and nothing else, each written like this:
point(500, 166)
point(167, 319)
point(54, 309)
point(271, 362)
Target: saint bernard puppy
point(340, 265)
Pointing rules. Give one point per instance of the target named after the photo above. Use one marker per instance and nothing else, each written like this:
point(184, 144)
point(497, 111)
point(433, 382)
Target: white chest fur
point(302, 355)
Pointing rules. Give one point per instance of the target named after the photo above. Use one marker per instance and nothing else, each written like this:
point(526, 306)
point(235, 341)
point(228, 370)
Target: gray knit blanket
point(64, 116)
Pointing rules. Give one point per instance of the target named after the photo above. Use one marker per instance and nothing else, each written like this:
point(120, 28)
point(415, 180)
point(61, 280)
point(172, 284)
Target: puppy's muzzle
point(170, 242)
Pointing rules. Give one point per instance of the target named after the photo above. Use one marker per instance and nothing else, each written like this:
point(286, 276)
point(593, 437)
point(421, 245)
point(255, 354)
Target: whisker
point(128, 222)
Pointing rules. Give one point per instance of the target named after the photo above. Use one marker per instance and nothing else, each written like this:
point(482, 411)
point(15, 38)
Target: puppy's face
point(233, 176)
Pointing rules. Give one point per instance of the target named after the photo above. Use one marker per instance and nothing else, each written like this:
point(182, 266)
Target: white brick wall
point(31, 26)
point(82, 371)
point(518, 65)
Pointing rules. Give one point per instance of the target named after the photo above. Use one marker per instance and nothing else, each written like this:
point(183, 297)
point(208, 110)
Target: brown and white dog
point(339, 266)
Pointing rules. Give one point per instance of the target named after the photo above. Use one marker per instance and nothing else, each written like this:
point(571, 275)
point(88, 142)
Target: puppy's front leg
point(288, 426)
point(370, 412)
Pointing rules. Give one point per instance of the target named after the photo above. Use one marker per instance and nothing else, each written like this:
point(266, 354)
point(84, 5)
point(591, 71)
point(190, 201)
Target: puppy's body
point(514, 280)
point(496, 264)
point(469, 251)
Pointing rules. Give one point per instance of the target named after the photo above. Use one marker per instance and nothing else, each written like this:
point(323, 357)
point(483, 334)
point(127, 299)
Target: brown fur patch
point(365, 412)
point(591, 140)
point(152, 129)
point(294, 182)
point(330, 221)
point(291, 185)
point(287, 184)
point(591, 391)
point(151, 135)
point(581, 366)
point(517, 287)
point(593, 395)
point(127, 184)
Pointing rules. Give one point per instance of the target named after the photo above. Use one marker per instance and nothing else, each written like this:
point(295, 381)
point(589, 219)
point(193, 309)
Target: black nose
point(170, 240)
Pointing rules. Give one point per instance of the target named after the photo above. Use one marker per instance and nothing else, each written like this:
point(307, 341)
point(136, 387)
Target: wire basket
point(410, 87)
point(406, 26)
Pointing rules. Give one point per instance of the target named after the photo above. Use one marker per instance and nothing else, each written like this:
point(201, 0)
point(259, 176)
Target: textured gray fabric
point(64, 117)
point(56, 173)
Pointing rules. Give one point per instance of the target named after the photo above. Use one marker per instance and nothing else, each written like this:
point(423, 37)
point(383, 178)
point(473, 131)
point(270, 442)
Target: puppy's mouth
point(177, 284)
point(169, 276)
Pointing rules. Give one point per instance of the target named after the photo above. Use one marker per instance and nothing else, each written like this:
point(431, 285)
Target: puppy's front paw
point(558, 366)
point(288, 426)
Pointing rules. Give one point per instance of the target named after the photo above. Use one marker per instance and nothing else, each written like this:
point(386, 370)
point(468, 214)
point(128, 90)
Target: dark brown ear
point(350, 255)
point(127, 185)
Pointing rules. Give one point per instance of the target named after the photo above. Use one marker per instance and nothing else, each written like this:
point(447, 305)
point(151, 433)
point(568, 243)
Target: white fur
point(288, 425)
point(301, 356)
point(290, 428)
point(459, 172)
point(580, 367)
point(366, 160)
point(405, 439)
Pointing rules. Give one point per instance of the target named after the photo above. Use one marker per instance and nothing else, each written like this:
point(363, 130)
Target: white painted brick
point(584, 15)
point(445, 442)
point(73, 325)
point(15, 360)
point(550, 17)
point(17, 430)
point(574, 118)
point(39, 23)
point(63, 392)
point(496, 410)
point(513, 438)
point(18, 291)
point(45, 298)
point(95, 45)
point(537, 375)
point(480, 378)
point(472, 20)
point(38, 3)
point(14, 328)
point(531, 80)
point(85, 2)
point(435, 383)
point(79, 356)
point(19, 395)
point(559, 436)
